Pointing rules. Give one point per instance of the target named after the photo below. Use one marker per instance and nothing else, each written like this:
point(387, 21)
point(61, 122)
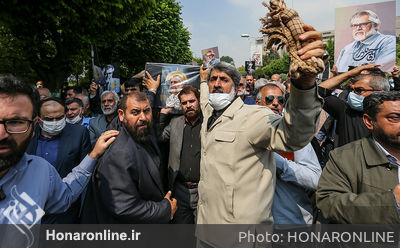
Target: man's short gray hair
point(371, 17)
point(229, 69)
point(377, 81)
point(85, 98)
point(269, 84)
point(116, 97)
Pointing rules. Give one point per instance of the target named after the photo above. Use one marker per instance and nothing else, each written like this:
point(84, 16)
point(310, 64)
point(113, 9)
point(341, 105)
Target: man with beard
point(109, 105)
point(360, 182)
point(369, 45)
point(237, 169)
point(183, 134)
point(28, 182)
point(126, 185)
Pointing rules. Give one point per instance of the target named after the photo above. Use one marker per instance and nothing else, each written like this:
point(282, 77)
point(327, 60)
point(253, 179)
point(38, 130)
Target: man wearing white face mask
point(237, 169)
point(62, 144)
point(74, 112)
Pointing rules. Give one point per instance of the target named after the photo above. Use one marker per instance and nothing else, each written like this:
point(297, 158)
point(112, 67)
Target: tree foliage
point(278, 66)
point(270, 56)
point(53, 38)
point(227, 59)
point(162, 38)
point(199, 61)
point(330, 48)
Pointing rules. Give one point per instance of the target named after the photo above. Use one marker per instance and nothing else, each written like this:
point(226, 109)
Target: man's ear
point(121, 115)
point(369, 122)
point(34, 123)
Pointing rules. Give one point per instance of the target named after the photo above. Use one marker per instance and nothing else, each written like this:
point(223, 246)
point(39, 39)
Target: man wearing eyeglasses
point(296, 172)
point(369, 45)
point(63, 145)
point(348, 112)
point(29, 185)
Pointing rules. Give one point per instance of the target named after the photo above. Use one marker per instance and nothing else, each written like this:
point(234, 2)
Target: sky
point(222, 22)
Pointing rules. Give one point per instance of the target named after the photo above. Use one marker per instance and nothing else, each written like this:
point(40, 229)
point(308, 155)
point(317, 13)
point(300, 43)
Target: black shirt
point(350, 125)
point(189, 170)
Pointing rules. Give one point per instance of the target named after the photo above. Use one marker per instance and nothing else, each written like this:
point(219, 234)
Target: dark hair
point(189, 89)
point(55, 99)
point(229, 69)
point(132, 82)
point(72, 100)
point(76, 89)
point(372, 102)
point(137, 95)
point(377, 81)
point(13, 86)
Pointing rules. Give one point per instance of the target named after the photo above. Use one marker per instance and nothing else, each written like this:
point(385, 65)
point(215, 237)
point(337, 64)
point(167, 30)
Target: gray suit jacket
point(174, 134)
point(96, 127)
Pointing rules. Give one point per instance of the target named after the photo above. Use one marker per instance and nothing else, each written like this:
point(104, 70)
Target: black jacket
point(73, 147)
point(125, 186)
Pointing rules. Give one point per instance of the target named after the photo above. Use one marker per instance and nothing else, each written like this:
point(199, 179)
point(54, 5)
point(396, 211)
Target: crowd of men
point(236, 151)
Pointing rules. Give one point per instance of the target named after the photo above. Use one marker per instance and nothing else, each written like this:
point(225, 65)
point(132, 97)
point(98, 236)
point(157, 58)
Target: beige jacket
point(237, 174)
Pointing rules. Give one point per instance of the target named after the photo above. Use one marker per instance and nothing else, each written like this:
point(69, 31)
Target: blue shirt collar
point(390, 157)
point(20, 166)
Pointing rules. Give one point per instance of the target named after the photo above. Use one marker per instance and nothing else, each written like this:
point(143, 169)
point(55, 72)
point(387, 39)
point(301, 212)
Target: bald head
point(51, 109)
point(276, 77)
point(44, 93)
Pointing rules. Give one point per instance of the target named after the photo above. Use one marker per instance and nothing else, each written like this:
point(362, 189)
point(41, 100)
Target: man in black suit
point(126, 185)
point(63, 145)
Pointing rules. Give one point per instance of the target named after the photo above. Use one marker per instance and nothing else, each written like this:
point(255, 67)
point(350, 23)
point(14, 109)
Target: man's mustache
point(218, 90)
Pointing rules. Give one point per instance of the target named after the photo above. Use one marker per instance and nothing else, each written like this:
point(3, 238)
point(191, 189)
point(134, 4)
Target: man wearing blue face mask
point(348, 110)
point(62, 144)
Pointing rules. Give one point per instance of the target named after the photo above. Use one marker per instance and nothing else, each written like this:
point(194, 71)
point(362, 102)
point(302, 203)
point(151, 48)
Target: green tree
point(330, 48)
point(199, 61)
point(227, 59)
point(278, 66)
point(270, 56)
point(53, 38)
point(163, 38)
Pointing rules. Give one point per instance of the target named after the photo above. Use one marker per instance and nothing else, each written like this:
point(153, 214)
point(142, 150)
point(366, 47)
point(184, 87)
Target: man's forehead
point(390, 107)
point(108, 96)
point(363, 82)
point(360, 19)
point(135, 104)
point(73, 105)
point(219, 73)
point(271, 90)
point(18, 105)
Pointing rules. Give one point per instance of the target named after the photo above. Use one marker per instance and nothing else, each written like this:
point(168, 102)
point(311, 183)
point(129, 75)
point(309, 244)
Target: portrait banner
point(173, 78)
point(365, 34)
point(210, 56)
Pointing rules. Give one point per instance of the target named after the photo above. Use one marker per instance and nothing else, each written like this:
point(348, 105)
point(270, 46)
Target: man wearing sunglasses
point(296, 172)
point(369, 45)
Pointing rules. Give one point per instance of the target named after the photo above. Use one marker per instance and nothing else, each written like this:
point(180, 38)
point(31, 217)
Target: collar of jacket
point(373, 156)
point(235, 106)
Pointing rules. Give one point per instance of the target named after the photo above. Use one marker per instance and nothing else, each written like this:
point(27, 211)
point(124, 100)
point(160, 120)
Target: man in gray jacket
point(183, 134)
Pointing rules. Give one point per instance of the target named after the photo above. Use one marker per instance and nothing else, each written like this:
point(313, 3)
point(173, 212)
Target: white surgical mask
point(221, 100)
point(77, 118)
point(53, 127)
